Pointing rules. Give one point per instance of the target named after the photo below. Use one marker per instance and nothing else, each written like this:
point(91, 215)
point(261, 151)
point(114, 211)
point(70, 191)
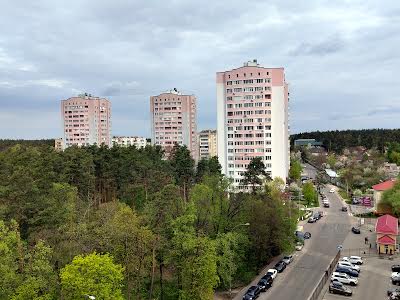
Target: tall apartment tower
point(174, 121)
point(86, 120)
point(207, 143)
point(252, 112)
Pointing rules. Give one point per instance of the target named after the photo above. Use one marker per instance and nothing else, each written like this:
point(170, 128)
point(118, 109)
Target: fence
point(328, 272)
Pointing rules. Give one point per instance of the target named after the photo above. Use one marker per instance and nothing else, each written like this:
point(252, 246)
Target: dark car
point(337, 287)
point(355, 230)
point(348, 271)
point(396, 268)
point(252, 293)
point(396, 280)
point(344, 208)
point(316, 216)
point(280, 266)
point(265, 283)
point(306, 235)
point(320, 214)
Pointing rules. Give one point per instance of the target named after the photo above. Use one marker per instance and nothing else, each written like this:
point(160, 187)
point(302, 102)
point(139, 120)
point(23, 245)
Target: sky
point(340, 58)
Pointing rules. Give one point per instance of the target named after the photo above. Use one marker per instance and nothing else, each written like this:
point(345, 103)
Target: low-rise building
point(378, 191)
point(391, 169)
point(386, 229)
point(125, 141)
point(307, 143)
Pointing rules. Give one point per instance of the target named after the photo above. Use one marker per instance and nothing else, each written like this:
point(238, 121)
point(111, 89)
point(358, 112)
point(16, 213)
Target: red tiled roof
point(386, 240)
point(383, 186)
point(387, 224)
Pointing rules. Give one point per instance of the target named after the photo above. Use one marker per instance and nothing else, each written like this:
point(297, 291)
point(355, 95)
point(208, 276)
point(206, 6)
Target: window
point(248, 81)
point(267, 80)
point(237, 81)
point(258, 88)
point(237, 90)
point(230, 136)
point(229, 105)
point(268, 96)
point(228, 98)
point(228, 91)
point(229, 83)
point(248, 89)
point(268, 157)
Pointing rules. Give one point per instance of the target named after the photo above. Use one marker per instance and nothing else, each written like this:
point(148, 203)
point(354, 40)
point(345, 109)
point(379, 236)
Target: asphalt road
point(302, 275)
point(309, 171)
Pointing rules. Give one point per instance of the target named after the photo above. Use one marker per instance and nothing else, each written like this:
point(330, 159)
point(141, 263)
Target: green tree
point(309, 193)
point(295, 170)
point(183, 167)
point(11, 259)
point(194, 258)
point(94, 274)
point(39, 279)
point(255, 173)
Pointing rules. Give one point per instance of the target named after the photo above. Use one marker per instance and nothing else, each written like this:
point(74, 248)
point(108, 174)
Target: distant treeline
point(337, 140)
point(5, 144)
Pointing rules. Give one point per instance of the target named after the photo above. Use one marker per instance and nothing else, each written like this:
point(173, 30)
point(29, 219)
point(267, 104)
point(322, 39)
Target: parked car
point(394, 290)
point(265, 283)
point(307, 235)
point(395, 277)
point(344, 208)
point(326, 204)
point(320, 214)
point(312, 219)
point(337, 287)
point(355, 260)
point(355, 201)
point(287, 259)
point(356, 230)
point(280, 266)
point(317, 216)
point(344, 278)
point(299, 246)
point(272, 273)
point(348, 265)
point(332, 190)
point(348, 271)
point(396, 268)
point(252, 293)
point(394, 296)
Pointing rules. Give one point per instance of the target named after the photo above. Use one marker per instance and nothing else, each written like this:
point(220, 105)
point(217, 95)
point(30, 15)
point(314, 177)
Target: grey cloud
point(328, 46)
point(130, 50)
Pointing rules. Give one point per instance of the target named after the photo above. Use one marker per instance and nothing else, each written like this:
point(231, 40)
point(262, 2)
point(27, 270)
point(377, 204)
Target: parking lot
point(373, 281)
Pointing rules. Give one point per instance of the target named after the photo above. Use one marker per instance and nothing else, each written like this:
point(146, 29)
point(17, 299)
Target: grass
point(343, 194)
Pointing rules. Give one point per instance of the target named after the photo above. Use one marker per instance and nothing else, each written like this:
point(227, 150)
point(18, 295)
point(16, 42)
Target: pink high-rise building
point(174, 121)
point(252, 111)
point(86, 120)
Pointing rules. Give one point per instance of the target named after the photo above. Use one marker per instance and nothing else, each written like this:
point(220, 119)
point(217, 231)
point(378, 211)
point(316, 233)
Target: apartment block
point(174, 121)
point(86, 121)
point(252, 113)
point(58, 144)
point(207, 143)
point(126, 141)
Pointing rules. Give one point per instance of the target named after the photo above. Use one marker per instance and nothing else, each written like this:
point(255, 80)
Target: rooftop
point(384, 186)
point(387, 224)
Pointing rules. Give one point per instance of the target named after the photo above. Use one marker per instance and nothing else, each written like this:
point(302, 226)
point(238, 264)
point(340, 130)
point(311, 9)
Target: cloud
point(339, 57)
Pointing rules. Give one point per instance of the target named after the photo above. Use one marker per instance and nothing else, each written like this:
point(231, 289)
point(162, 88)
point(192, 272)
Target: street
point(300, 277)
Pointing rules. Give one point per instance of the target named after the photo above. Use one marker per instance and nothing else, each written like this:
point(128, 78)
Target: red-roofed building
point(378, 190)
point(387, 229)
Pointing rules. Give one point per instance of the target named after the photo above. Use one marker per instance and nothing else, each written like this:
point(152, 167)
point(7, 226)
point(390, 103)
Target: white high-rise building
point(252, 111)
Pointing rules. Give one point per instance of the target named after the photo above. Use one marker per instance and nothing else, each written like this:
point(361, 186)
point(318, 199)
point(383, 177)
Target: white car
point(346, 264)
point(355, 260)
point(299, 246)
point(395, 275)
point(332, 190)
point(344, 278)
point(272, 273)
point(287, 259)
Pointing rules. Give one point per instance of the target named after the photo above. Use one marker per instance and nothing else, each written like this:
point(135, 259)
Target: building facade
point(174, 121)
point(58, 144)
point(252, 110)
point(207, 143)
point(86, 121)
point(125, 141)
